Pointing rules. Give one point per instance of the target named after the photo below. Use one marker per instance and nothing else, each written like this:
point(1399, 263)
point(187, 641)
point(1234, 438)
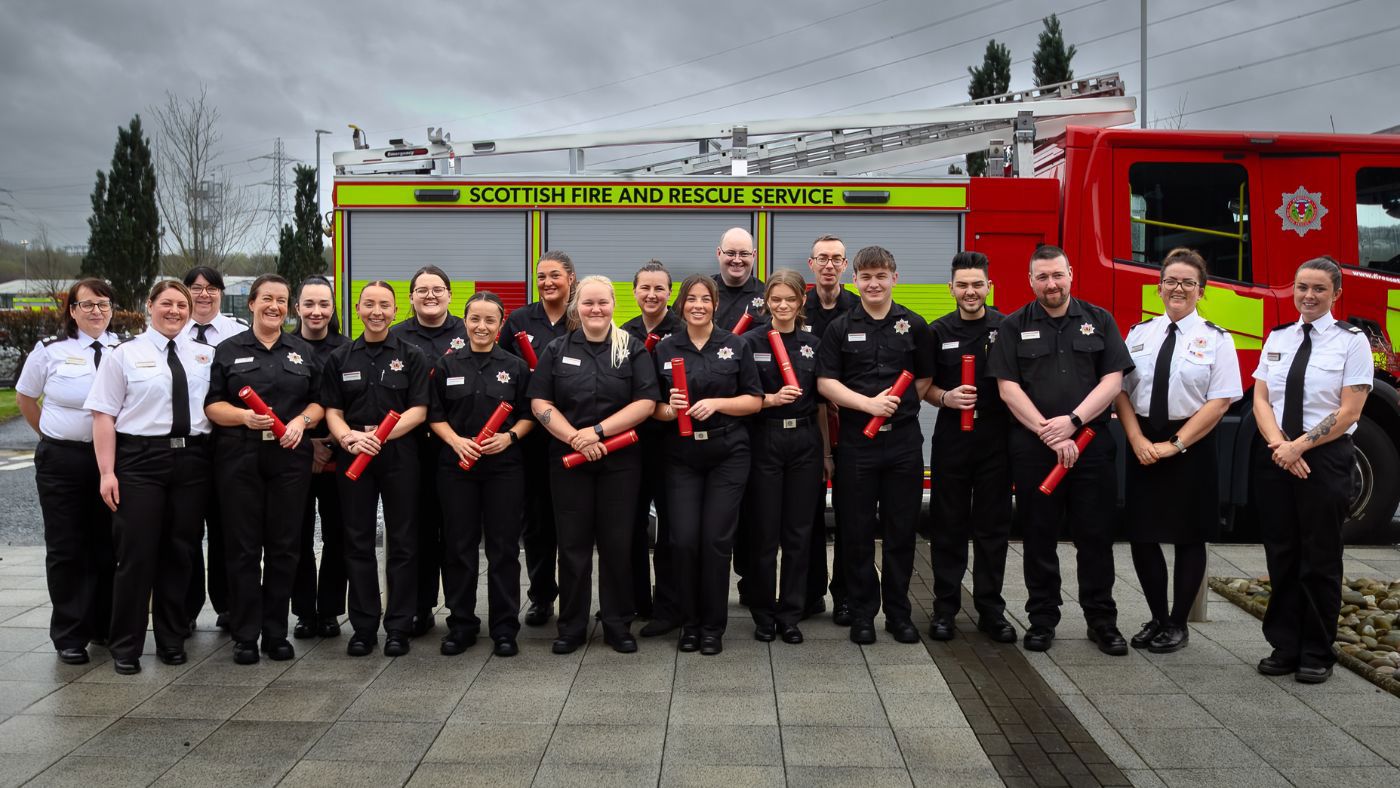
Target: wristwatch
point(598, 428)
point(514, 436)
point(307, 419)
point(1176, 441)
point(1075, 420)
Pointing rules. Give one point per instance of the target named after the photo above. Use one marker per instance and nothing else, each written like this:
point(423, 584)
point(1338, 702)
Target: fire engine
point(1255, 204)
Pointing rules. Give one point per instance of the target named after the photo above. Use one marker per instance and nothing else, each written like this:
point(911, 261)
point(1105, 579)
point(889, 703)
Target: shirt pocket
point(69, 385)
point(1194, 373)
point(1325, 370)
point(394, 381)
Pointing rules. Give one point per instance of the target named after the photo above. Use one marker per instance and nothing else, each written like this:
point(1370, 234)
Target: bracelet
point(942, 399)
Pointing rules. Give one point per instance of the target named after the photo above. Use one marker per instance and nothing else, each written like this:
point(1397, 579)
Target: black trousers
point(77, 542)
point(971, 499)
point(593, 504)
point(540, 537)
point(1302, 527)
point(263, 487)
point(783, 487)
point(817, 574)
point(705, 483)
point(1086, 499)
point(652, 491)
point(155, 531)
point(483, 502)
point(880, 492)
point(390, 477)
point(430, 538)
point(217, 565)
point(321, 595)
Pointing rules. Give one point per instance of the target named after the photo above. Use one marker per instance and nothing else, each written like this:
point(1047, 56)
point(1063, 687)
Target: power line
point(1284, 56)
point(1291, 89)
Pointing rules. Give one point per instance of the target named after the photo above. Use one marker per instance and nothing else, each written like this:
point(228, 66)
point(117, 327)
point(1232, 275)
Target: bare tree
point(1175, 120)
point(49, 268)
point(205, 217)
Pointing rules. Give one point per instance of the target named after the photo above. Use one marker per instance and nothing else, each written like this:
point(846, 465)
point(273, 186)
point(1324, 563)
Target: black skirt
point(1176, 500)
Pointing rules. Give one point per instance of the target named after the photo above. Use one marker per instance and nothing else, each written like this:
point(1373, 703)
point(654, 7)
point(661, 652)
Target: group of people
point(745, 398)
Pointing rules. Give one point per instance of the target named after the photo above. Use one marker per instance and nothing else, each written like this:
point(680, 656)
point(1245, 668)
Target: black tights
point(1151, 568)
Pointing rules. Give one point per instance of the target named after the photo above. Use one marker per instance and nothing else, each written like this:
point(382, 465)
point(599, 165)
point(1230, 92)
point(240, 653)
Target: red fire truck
point(1255, 204)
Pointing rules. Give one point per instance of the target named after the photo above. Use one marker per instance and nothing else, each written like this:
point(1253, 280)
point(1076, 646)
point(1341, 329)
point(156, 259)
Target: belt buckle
point(789, 424)
point(268, 436)
point(177, 443)
point(701, 435)
point(886, 427)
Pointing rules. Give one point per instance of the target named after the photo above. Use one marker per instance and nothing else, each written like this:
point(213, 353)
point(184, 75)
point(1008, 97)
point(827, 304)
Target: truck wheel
point(1375, 493)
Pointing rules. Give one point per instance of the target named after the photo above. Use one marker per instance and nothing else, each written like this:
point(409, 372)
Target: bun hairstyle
point(1183, 256)
point(487, 296)
point(1328, 265)
point(171, 284)
point(794, 280)
point(621, 342)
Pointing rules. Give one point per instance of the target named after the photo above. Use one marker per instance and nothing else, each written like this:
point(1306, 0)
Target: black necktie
point(200, 328)
point(96, 354)
point(1293, 386)
point(179, 393)
point(1161, 377)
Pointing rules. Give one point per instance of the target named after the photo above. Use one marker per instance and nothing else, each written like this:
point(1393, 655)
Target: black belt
point(69, 444)
point(163, 441)
point(788, 424)
point(704, 435)
point(245, 434)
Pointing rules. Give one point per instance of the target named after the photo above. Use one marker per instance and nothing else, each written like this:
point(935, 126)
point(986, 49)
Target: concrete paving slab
point(299, 703)
point(832, 746)
point(723, 708)
point(831, 708)
point(113, 771)
point(160, 742)
point(490, 743)
point(605, 745)
point(452, 775)
point(617, 708)
point(188, 701)
point(344, 774)
point(730, 745)
point(705, 775)
point(375, 741)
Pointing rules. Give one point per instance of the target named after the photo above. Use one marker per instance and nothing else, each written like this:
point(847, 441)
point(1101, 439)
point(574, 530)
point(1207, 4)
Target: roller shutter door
point(392, 245)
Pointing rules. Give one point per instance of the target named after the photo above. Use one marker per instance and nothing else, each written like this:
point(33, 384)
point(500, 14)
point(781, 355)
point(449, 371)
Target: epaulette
point(50, 340)
point(240, 321)
point(125, 338)
point(1145, 322)
point(1217, 328)
point(1353, 329)
point(1281, 326)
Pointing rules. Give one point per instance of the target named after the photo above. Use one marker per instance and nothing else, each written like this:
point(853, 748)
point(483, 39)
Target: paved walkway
point(825, 712)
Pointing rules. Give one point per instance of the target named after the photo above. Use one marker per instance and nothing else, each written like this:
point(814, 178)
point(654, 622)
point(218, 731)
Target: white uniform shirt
point(220, 328)
point(134, 384)
point(61, 371)
point(1341, 356)
point(1204, 365)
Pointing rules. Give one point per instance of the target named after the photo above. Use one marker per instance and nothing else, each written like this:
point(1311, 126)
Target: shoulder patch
point(1217, 328)
point(50, 340)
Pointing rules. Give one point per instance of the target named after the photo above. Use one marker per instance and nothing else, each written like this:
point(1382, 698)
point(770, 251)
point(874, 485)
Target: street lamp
point(25, 244)
point(319, 132)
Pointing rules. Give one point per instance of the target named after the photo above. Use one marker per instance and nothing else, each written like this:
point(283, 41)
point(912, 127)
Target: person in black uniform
point(707, 471)
point(318, 599)
point(1311, 384)
point(1059, 362)
point(543, 321)
point(971, 495)
point(740, 290)
point(789, 444)
point(467, 386)
point(149, 434)
point(77, 526)
point(432, 329)
point(361, 383)
point(263, 479)
point(592, 383)
point(1184, 378)
point(651, 286)
point(826, 301)
point(862, 355)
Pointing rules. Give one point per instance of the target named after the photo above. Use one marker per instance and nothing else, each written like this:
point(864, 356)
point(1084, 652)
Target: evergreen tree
point(299, 246)
point(124, 228)
point(992, 78)
point(1051, 63)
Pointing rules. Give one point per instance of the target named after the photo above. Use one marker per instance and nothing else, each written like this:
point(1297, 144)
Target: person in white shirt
point(77, 527)
point(1312, 381)
point(1185, 376)
point(150, 435)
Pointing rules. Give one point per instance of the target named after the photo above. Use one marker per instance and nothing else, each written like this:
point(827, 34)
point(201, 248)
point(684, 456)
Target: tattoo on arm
point(1323, 427)
point(544, 417)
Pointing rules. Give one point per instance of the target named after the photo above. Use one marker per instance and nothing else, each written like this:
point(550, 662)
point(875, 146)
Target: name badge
point(457, 381)
point(951, 345)
point(666, 365)
point(1030, 335)
point(855, 337)
point(145, 364)
point(1136, 348)
point(765, 357)
point(1275, 356)
point(573, 362)
point(346, 377)
point(75, 361)
point(243, 360)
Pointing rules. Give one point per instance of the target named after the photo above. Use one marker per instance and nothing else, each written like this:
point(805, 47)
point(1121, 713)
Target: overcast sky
point(72, 71)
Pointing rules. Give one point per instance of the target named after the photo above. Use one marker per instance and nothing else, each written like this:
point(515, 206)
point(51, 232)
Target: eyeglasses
point(741, 254)
point(100, 306)
point(824, 260)
point(204, 290)
point(1184, 284)
point(437, 291)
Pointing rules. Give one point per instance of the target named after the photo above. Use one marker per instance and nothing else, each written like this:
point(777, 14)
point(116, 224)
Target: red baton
point(256, 404)
point(780, 355)
point(1052, 480)
point(743, 323)
point(969, 377)
point(611, 444)
point(897, 390)
point(498, 417)
point(678, 379)
point(652, 339)
point(391, 420)
point(527, 351)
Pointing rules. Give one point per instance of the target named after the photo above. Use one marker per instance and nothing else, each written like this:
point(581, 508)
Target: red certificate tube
point(652, 339)
point(1052, 480)
point(780, 355)
point(901, 384)
point(969, 378)
point(678, 380)
point(498, 417)
point(613, 444)
point(742, 324)
point(256, 404)
point(527, 351)
point(391, 419)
